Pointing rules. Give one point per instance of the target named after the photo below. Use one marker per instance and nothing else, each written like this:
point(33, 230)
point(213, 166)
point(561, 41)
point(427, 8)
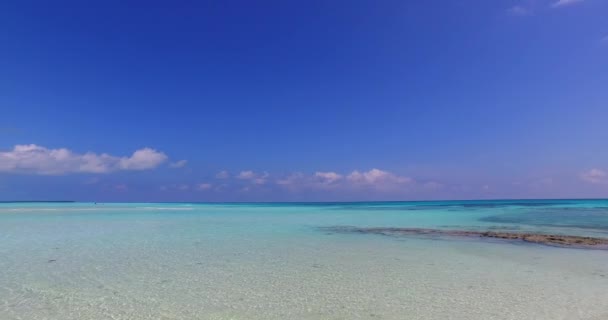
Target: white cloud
point(376, 177)
point(142, 159)
point(255, 178)
point(178, 164)
point(519, 11)
point(246, 175)
point(204, 186)
point(34, 159)
point(222, 175)
point(563, 3)
point(328, 177)
point(373, 179)
point(261, 179)
point(596, 176)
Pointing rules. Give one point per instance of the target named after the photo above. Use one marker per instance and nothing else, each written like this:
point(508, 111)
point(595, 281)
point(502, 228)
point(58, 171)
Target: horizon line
point(304, 202)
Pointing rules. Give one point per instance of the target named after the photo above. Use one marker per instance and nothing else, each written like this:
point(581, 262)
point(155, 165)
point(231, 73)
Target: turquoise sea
point(276, 261)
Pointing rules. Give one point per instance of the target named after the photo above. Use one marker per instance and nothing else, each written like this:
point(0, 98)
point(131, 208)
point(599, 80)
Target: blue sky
point(303, 101)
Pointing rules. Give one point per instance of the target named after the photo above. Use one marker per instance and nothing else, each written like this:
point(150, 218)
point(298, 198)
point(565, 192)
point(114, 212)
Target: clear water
point(271, 261)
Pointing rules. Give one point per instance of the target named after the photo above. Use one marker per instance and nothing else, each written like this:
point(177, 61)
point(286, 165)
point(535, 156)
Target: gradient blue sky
point(303, 101)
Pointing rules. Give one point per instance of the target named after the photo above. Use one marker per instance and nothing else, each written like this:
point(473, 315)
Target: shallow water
point(271, 261)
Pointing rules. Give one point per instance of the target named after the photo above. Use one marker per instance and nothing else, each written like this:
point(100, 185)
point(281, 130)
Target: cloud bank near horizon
point(328, 183)
point(378, 184)
point(374, 183)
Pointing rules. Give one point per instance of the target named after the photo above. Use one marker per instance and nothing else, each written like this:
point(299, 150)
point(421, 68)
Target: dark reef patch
point(537, 238)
